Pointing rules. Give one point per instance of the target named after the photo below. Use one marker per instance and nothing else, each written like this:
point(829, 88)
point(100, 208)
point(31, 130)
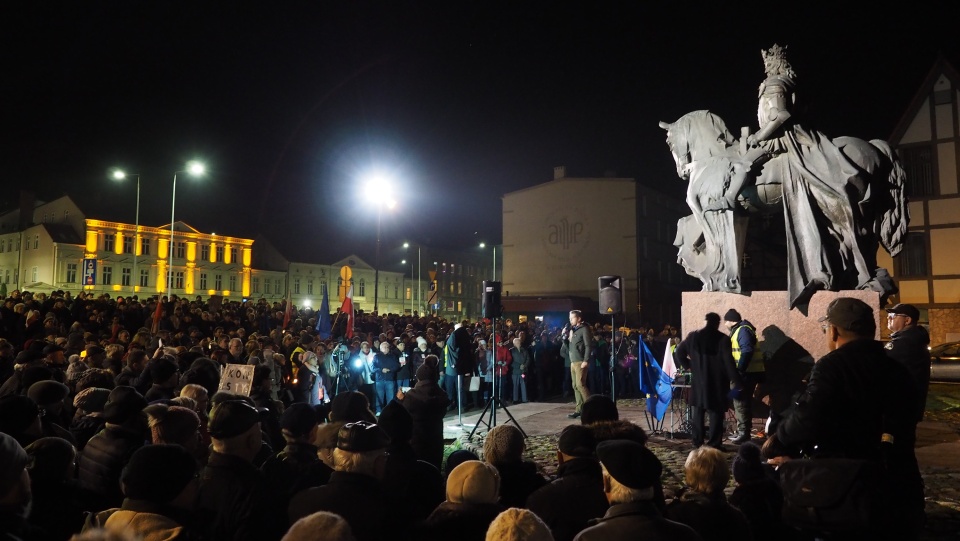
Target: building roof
point(941, 67)
point(63, 234)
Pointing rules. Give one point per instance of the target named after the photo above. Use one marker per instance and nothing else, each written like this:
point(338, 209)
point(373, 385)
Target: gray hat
point(47, 392)
point(851, 314)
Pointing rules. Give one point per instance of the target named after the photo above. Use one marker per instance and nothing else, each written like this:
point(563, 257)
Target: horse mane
point(701, 134)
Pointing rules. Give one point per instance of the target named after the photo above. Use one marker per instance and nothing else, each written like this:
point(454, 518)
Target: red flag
point(155, 326)
point(286, 313)
point(347, 310)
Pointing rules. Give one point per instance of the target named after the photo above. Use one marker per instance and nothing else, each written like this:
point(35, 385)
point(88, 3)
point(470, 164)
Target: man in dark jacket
point(847, 409)
point(749, 362)
point(427, 404)
point(908, 346)
point(386, 364)
point(576, 496)
point(460, 362)
point(297, 466)
point(707, 354)
point(629, 472)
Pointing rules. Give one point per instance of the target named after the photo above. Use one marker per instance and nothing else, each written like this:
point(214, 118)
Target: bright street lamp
point(484, 245)
point(419, 283)
point(377, 188)
point(404, 262)
point(196, 169)
point(119, 175)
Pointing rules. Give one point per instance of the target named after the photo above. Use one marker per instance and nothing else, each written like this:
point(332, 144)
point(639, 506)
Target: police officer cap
point(629, 463)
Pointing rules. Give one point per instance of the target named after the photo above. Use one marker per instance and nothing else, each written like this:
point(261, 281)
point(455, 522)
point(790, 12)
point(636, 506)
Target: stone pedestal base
point(767, 310)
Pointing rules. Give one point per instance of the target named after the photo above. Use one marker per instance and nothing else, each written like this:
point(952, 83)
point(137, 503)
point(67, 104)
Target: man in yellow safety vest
point(749, 361)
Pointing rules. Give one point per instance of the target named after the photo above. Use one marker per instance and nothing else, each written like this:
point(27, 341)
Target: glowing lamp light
point(358, 364)
point(306, 303)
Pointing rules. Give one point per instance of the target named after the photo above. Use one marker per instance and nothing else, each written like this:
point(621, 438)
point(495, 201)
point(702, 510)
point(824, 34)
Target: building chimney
point(27, 200)
point(559, 172)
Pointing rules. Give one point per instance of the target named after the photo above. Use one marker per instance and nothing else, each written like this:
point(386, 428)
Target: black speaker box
point(491, 299)
point(611, 295)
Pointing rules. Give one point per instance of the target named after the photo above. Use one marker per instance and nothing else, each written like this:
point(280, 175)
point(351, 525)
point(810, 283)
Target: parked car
point(945, 362)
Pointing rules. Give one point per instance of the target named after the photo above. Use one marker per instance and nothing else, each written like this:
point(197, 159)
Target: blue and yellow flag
point(323, 317)
point(655, 384)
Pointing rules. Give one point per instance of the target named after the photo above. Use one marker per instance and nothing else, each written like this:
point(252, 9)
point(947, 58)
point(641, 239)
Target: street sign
point(89, 272)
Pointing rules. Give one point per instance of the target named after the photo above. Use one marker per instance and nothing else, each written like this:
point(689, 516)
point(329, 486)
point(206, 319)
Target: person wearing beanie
point(165, 375)
point(424, 348)
point(503, 447)
point(174, 425)
point(518, 525)
point(160, 488)
point(758, 494)
point(427, 404)
point(355, 490)
point(297, 466)
point(576, 496)
point(234, 494)
point(57, 506)
point(50, 395)
point(405, 474)
point(749, 361)
point(333, 526)
point(598, 407)
point(103, 457)
point(630, 472)
point(704, 506)
point(350, 407)
point(473, 491)
point(707, 354)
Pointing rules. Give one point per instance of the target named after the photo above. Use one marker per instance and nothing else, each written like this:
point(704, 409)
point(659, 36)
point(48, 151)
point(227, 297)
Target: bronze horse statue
point(841, 199)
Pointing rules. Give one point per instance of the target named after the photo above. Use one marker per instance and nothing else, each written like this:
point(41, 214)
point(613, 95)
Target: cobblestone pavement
point(938, 449)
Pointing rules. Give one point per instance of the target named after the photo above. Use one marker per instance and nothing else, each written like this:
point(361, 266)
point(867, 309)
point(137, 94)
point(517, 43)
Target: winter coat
point(710, 516)
point(568, 503)
point(636, 521)
point(101, 462)
point(460, 521)
point(707, 354)
point(517, 481)
point(427, 404)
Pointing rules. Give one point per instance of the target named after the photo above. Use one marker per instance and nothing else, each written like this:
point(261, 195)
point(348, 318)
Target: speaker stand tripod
point(494, 401)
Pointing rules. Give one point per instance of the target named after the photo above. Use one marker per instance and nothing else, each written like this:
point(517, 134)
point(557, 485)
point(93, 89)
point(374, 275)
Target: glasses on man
point(894, 316)
point(824, 327)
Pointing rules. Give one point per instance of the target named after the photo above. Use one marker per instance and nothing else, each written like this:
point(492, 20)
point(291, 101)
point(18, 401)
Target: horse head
point(696, 136)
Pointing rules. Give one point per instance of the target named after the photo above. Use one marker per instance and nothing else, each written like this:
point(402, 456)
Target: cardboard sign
point(237, 379)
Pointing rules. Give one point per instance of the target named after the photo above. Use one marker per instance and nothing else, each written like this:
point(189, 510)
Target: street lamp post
point(120, 175)
point(377, 188)
point(419, 283)
point(484, 245)
point(196, 169)
point(404, 262)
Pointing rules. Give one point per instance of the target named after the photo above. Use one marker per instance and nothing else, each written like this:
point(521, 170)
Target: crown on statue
point(779, 71)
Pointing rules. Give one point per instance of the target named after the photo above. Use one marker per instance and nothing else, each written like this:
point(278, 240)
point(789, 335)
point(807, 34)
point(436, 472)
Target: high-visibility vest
point(756, 360)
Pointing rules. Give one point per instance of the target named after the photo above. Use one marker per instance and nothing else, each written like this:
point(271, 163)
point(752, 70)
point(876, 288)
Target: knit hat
point(427, 372)
point(351, 406)
point(577, 441)
point(732, 315)
point(231, 418)
point(91, 399)
point(299, 419)
point(517, 524)
point(396, 421)
point(747, 465)
point(362, 436)
point(95, 377)
point(456, 458)
point(123, 404)
point(598, 407)
point(333, 526)
point(172, 424)
point(629, 463)
point(157, 473)
point(327, 435)
point(15, 460)
point(47, 392)
point(473, 482)
point(503, 444)
point(161, 369)
point(51, 459)
point(421, 341)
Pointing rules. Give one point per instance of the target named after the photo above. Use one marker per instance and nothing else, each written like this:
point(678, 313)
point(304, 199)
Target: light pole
point(196, 169)
point(119, 174)
point(484, 245)
point(419, 283)
point(376, 188)
point(404, 262)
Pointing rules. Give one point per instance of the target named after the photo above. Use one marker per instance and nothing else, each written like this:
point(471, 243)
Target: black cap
point(51, 348)
point(232, 418)
point(362, 436)
point(599, 407)
point(732, 315)
point(577, 441)
point(123, 403)
point(299, 419)
point(629, 463)
point(157, 473)
point(851, 314)
point(908, 310)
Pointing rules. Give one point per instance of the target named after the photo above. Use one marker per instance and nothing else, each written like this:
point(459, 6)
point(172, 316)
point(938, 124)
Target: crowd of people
point(114, 422)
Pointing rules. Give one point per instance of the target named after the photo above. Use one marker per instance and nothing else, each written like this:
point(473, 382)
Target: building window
point(323, 288)
point(218, 282)
point(219, 253)
point(276, 286)
point(204, 252)
point(362, 289)
point(339, 285)
point(256, 284)
point(407, 294)
point(396, 292)
point(36, 241)
point(108, 243)
point(233, 255)
point(125, 277)
point(309, 287)
point(178, 280)
point(144, 246)
point(181, 250)
point(296, 286)
point(7, 279)
point(144, 277)
point(233, 282)
point(917, 163)
point(66, 214)
point(127, 244)
point(912, 260)
point(33, 274)
point(71, 273)
point(107, 275)
point(203, 280)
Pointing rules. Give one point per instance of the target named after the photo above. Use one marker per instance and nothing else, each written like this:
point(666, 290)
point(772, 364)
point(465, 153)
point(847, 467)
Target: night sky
point(292, 104)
